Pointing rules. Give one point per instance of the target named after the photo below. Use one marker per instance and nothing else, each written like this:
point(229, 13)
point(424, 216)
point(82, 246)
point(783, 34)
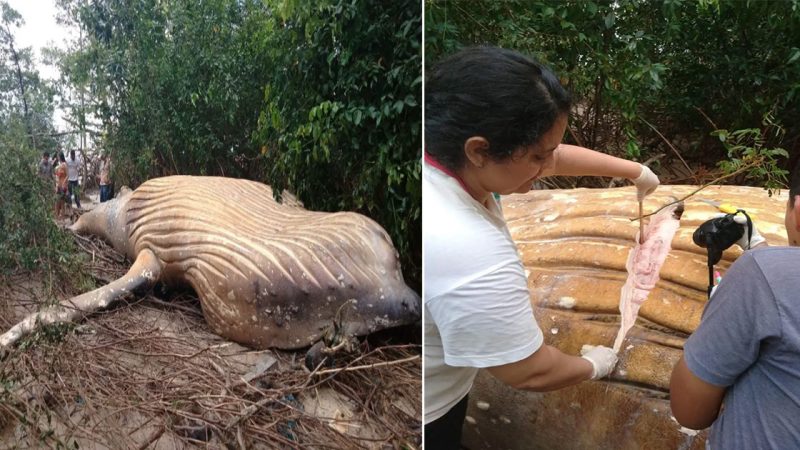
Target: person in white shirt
point(73, 169)
point(494, 120)
point(104, 178)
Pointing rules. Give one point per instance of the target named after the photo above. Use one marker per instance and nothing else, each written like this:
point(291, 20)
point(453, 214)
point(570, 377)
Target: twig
point(707, 118)
point(677, 153)
point(575, 136)
point(367, 366)
point(737, 172)
point(153, 437)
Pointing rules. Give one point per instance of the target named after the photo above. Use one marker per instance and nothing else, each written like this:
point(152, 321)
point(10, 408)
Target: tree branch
point(737, 172)
point(670, 146)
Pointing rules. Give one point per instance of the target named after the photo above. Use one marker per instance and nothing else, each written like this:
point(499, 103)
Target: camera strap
point(710, 266)
point(749, 226)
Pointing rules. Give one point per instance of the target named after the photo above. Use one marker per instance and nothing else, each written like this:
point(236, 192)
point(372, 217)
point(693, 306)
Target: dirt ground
point(149, 374)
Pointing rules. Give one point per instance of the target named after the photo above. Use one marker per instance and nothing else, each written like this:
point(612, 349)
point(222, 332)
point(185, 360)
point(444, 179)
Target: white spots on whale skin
point(554, 330)
point(566, 302)
point(470, 420)
point(369, 305)
point(527, 273)
point(383, 297)
point(550, 217)
point(231, 296)
point(147, 273)
point(564, 198)
point(381, 323)
point(483, 406)
point(623, 373)
point(254, 318)
point(629, 347)
point(505, 420)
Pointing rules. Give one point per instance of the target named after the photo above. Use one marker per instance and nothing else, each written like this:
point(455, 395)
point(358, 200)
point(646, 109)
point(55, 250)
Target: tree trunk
point(21, 84)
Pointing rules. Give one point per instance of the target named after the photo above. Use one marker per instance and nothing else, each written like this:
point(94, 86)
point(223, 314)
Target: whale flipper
point(144, 272)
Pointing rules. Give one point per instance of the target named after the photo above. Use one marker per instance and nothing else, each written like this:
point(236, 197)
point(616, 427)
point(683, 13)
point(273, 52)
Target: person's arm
point(571, 160)
point(546, 369)
point(695, 403)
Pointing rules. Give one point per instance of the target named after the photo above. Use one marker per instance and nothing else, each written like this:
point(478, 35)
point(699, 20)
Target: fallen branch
point(715, 181)
point(367, 366)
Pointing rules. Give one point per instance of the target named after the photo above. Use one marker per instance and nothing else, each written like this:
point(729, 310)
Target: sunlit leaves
point(748, 154)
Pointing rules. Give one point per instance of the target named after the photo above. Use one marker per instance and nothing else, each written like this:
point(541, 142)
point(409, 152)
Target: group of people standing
point(66, 172)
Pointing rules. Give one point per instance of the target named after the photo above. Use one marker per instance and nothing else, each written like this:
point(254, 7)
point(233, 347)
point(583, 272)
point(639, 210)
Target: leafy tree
point(649, 78)
point(30, 239)
point(341, 126)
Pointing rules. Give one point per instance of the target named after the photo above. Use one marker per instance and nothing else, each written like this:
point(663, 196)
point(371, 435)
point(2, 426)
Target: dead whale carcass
point(575, 245)
point(267, 274)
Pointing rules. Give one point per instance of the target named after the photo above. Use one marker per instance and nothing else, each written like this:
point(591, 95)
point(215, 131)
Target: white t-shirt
point(72, 168)
point(477, 304)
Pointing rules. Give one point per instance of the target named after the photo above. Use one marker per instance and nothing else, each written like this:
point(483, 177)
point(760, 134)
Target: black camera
point(717, 235)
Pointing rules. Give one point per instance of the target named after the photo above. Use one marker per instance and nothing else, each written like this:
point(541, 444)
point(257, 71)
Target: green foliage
point(176, 85)
point(30, 239)
point(634, 62)
point(25, 99)
point(747, 154)
point(342, 117)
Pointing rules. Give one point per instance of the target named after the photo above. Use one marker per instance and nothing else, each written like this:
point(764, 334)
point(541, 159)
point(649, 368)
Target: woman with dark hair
point(494, 120)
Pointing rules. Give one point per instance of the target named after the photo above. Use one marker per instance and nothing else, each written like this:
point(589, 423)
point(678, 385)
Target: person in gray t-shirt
point(46, 166)
point(746, 351)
